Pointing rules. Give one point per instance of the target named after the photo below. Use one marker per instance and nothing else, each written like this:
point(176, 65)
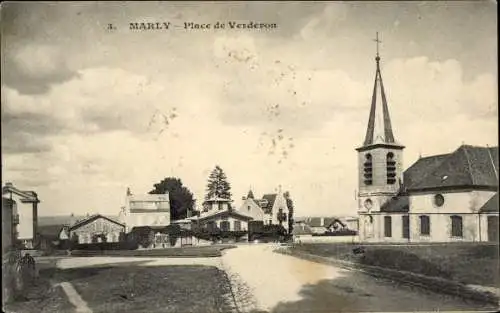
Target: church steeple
point(379, 129)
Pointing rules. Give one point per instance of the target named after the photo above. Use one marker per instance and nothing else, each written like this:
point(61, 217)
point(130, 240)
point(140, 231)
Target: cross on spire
point(377, 41)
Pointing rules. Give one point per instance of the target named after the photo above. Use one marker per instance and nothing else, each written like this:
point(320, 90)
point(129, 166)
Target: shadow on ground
point(358, 292)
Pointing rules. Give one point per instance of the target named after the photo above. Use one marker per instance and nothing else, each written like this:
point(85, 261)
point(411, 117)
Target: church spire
point(379, 129)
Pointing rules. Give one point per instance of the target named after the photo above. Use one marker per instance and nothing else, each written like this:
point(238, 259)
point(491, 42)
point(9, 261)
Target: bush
point(343, 232)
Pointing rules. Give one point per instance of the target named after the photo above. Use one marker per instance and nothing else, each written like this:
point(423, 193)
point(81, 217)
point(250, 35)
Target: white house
point(268, 209)
point(441, 198)
point(145, 210)
point(19, 216)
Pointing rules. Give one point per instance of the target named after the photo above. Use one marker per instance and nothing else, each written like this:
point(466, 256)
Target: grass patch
point(131, 288)
point(40, 298)
point(197, 251)
point(468, 263)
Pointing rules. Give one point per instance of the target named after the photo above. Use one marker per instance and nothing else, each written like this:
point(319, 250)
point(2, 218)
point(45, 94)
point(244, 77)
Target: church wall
point(377, 230)
point(454, 202)
point(440, 228)
point(483, 227)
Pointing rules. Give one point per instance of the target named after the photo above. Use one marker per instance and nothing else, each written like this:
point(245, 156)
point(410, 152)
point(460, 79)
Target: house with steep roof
point(270, 209)
point(442, 198)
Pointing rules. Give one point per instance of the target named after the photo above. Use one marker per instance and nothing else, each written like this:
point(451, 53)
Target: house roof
point(28, 196)
point(398, 204)
point(468, 166)
point(267, 205)
point(333, 221)
point(225, 213)
point(50, 231)
point(93, 218)
point(491, 205)
point(149, 197)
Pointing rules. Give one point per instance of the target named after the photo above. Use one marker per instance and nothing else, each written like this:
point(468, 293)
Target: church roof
point(491, 205)
point(379, 130)
point(398, 204)
point(468, 166)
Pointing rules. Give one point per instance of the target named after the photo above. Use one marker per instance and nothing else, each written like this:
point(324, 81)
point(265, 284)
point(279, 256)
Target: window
point(438, 200)
point(456, 226)
point(368, 204)
point(237, 225)
point(248, 208)
point(387, 226)
point(220, 205)
point(406, 226)
point(391, 168)
point(224, 225)
point(425, 227)
point(368, 171)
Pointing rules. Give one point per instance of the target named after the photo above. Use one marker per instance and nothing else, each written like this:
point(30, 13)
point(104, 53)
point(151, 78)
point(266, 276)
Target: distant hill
point(63, 219)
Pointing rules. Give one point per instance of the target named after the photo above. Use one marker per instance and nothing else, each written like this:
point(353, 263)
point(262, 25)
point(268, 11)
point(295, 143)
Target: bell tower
point(380, 158)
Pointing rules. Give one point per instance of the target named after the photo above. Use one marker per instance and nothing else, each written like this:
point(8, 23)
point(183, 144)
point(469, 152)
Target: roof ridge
point(468, 162)
point(492, 162)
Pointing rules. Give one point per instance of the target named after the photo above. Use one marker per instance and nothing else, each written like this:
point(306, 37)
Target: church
point(451, 197)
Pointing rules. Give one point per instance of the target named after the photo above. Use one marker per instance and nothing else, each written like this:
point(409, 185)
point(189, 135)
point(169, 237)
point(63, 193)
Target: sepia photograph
point(249, 157)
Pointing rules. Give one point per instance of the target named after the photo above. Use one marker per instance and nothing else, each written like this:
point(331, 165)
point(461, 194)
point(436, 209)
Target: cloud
point(33, 68)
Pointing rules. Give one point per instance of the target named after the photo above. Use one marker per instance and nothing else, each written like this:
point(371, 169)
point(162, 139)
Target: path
point(282, 283)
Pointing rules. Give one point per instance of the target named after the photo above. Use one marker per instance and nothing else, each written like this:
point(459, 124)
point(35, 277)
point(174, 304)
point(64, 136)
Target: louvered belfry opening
point(368, 169)
point(391, 168)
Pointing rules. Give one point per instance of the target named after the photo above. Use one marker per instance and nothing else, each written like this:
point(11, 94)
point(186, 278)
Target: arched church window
point(391, 168)
point(368, 169)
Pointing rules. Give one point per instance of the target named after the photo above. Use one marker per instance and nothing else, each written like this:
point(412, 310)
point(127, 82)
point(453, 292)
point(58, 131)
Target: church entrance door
point(369, 226)
point(493, 228)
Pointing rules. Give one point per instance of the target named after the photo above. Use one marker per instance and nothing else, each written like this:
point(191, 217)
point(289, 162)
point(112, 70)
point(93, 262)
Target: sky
point(87, 111)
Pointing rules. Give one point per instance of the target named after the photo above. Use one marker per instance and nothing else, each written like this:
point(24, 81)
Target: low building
point(96, 228)
point(19, 217)
point(320, 225)
point(53, 237)
point(146, 210)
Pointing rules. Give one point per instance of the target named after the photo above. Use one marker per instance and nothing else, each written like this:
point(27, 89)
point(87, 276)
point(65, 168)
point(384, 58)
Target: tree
point(217, 185)
point(181, 198)
point(289, 204)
